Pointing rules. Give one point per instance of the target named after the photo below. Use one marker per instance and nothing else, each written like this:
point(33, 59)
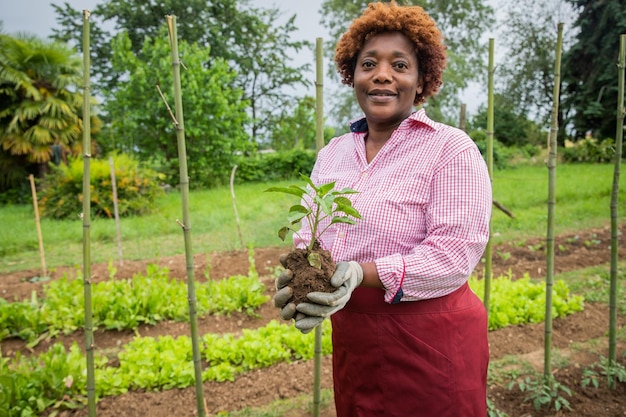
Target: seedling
point(318, 203)
point(313, 267)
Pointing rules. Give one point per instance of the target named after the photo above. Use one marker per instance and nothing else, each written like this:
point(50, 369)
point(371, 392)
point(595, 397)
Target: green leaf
point(282, 233)
point(346, 191)
point(342, 219)
point(287, 190)
point(295, 217)
point(349, 210)
point(325, 188)
point(299, 208)
point(326, 204)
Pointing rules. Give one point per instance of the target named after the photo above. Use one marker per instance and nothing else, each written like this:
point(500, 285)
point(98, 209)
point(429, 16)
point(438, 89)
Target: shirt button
point(342, 235)
point(363, 174)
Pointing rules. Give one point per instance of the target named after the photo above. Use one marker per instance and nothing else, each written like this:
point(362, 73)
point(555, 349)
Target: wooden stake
point(116, 211)
point(42, 256)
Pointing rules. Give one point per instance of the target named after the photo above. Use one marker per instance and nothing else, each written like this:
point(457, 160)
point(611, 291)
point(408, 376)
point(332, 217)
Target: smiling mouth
point(381, 97)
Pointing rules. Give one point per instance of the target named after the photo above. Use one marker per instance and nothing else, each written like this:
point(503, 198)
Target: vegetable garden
point(256, 365)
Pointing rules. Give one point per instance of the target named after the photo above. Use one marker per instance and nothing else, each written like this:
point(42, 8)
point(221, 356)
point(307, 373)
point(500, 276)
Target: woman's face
point(386, 78)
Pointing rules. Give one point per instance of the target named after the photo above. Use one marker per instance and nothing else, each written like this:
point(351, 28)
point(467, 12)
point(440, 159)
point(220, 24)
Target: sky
point(37, 17)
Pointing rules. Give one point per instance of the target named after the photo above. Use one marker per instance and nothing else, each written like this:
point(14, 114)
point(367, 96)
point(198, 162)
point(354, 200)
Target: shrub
point(500, 152)
point(275, 166)
point(61, 192)
point(590, 150)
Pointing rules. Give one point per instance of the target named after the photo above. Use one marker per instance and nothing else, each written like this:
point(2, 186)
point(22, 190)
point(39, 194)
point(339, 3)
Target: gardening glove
point(346, 278)
point(284, 292)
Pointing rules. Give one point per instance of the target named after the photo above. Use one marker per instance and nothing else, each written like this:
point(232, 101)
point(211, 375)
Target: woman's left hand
point(346, 278)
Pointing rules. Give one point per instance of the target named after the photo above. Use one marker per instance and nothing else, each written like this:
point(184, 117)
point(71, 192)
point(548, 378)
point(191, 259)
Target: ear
point(420, 83)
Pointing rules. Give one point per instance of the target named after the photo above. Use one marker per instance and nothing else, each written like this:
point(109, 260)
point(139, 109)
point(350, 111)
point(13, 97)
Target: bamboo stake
point(554, 128)
point(319, 95)
point(116, 211)
point(42, 256)
point(186, 224)
point(619, 135)
point(86, 216)
point(232, 196)
point(319, 140)
point(490, 132)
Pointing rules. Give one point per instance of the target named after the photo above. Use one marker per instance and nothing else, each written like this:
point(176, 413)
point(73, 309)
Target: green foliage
point(589, 66)
point(30, 385)
point(522, 301)
point(256, 42)
point(544, 392)
point(275, 166)
point(320, 202)
point(295, 128)
point(526, 75)
point(62, 189)
point(492, 410)
point(501, 153)
point(50, 379)
point(590, 150)
point(125, 303)
point(611, 371)
point(214, 112)
point(512, 127)
point(41, 106)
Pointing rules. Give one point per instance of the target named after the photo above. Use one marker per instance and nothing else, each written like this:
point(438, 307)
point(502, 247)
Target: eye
point(401, 65)
point(367, 64)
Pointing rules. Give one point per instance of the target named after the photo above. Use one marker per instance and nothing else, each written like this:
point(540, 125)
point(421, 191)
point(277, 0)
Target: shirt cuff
point(391, 272)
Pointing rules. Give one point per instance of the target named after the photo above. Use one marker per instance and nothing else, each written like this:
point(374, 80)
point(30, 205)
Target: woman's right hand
point(284, 292)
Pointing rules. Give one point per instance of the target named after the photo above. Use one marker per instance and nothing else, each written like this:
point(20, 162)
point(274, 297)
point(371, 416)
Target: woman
point(409, 336)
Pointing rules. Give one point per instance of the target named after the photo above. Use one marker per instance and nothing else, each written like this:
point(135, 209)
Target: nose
point(383, 73)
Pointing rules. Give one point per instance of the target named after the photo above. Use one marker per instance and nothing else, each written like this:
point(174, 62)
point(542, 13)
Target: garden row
point(57, 378)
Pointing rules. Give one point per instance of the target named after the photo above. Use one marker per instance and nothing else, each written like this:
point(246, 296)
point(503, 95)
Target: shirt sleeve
point(457, 232)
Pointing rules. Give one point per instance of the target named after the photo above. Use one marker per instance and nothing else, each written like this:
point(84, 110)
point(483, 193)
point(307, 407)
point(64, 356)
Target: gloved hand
point(346, 278)
point(284, 292)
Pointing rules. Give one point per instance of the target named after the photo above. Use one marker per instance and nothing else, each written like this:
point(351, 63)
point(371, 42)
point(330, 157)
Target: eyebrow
point(374, 52)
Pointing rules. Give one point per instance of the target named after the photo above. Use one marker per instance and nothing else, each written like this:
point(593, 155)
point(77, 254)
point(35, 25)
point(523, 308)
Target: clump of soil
point(308, 278)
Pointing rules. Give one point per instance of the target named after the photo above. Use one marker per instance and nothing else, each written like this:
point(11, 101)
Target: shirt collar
point(360, 125)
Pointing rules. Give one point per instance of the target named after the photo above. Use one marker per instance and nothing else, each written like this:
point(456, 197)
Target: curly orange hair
point(414, 23)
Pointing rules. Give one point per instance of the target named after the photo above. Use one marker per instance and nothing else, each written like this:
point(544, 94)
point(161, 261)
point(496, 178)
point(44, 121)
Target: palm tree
point(40, 105)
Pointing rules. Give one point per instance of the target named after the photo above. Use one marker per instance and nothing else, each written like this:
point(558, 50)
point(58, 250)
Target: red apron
point(413, 359)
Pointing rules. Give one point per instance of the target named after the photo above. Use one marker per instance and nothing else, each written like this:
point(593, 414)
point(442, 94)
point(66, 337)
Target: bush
point(500, 152)
point(590, 150)
point(275, 166)
point(61, 194)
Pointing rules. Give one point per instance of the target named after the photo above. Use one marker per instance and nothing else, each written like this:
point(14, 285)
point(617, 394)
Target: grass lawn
point(583, 198)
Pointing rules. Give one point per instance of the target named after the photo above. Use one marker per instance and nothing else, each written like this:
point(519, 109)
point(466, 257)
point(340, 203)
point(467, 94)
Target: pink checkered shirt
point(425, 201)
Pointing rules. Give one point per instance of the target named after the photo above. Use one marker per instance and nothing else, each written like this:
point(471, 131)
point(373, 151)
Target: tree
point(40, 105)
point(248, 39)
point(461, 22)
point(214, 111)
point(264, 71)
point(295, 127)
point(511, 124)
point(529, 36)
point(589, 68)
